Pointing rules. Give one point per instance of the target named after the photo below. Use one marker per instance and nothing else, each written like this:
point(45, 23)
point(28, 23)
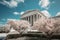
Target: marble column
point(36, 16)
point(31, 19)
point(28, 19)
point(39, 16)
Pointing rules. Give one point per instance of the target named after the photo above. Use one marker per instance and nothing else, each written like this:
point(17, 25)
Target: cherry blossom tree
point(47, 26)
point(7, 28)
point(20, 25)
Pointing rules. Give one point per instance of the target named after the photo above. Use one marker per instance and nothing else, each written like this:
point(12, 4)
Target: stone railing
point(30, 36)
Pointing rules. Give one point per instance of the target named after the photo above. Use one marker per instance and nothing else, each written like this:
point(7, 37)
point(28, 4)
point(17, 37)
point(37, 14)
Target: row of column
point(32, 18)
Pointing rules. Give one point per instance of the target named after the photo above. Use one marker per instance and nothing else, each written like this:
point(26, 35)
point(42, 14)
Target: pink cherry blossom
point(19, 24)
point(44, 24)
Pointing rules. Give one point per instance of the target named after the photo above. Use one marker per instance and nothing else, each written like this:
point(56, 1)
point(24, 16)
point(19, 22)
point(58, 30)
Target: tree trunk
point(49, 38)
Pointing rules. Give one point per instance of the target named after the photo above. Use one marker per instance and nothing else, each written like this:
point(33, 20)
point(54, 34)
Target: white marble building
point(32, 15)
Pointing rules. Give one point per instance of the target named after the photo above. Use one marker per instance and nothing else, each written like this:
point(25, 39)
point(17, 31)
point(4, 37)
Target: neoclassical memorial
point(32, 15)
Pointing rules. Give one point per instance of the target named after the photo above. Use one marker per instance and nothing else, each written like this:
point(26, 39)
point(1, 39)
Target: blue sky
point(12, 9)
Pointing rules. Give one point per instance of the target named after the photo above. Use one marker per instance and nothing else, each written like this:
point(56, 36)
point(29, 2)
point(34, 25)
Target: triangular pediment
point(31, 12)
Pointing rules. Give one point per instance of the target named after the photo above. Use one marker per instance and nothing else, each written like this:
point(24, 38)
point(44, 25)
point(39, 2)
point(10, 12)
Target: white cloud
point(16, 13)
point(11, 19)
point(22, 13)
point(58, 14)
point(44, 3)
point(46, 13)
point(12, 3)
point(20, 1)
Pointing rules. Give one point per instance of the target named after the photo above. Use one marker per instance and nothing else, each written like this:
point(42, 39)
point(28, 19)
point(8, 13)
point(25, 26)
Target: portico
point(32, 16)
